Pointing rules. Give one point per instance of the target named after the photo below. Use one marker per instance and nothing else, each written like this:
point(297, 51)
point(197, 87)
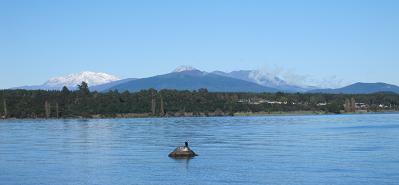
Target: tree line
point(84, 103)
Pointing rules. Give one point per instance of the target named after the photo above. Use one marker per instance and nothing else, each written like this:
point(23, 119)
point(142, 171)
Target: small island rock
point(182, 152)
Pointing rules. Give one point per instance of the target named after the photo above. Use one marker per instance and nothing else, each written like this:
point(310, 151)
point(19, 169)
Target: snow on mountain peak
point(71, 80)
point(184, 68)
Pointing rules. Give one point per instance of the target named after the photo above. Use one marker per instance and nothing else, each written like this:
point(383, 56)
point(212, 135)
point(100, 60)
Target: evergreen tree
point(84, 88)
point(65, 90)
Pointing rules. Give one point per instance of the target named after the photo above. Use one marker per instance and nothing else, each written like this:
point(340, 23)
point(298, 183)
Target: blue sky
point(354, 40)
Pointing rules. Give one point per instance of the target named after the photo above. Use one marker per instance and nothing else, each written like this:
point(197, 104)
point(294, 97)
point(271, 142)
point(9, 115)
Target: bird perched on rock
point(183, 152)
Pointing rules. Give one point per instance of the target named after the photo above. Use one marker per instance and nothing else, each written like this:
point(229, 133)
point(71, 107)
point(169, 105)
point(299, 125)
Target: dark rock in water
point(183, 152)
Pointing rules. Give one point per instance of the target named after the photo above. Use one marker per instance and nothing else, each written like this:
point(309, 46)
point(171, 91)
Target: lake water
point(327, 149)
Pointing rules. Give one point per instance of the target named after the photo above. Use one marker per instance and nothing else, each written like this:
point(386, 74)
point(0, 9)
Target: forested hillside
point(83, 103)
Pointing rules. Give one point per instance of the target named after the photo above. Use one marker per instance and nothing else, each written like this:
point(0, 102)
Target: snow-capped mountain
point(184, 68)
point(91, 78)
point(72, 80)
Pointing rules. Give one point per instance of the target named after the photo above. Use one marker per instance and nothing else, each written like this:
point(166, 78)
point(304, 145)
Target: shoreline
point(238, 114)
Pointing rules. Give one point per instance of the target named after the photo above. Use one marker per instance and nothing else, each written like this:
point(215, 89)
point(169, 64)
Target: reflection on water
point(183, 161)
point(330, 149)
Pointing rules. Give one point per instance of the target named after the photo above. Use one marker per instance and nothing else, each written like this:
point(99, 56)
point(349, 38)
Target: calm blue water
point(330, 149)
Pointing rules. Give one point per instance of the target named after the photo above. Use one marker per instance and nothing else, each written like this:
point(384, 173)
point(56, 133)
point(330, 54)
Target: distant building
point(361, 106)
point(384, 106)
point(257, 101)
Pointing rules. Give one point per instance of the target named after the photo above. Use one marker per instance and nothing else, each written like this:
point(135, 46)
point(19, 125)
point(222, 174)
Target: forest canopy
point(83, 103)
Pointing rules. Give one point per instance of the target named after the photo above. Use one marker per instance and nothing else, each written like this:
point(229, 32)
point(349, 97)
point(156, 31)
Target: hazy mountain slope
point(361, 88)
point(104, 87)
point(263, 79)
point(192, 80)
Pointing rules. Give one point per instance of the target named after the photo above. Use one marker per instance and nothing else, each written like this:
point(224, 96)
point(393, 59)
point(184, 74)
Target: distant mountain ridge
point(192, 79)
point(361, 88)
point(263, 79)
point(106, 86)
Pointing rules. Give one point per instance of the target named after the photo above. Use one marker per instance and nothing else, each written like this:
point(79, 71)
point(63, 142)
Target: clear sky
point(355, 40)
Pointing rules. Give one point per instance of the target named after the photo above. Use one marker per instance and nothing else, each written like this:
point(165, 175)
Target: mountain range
point(192, 80)
point(361, 88)
point(71, 81)
point(189, 78)
point(263, 79)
